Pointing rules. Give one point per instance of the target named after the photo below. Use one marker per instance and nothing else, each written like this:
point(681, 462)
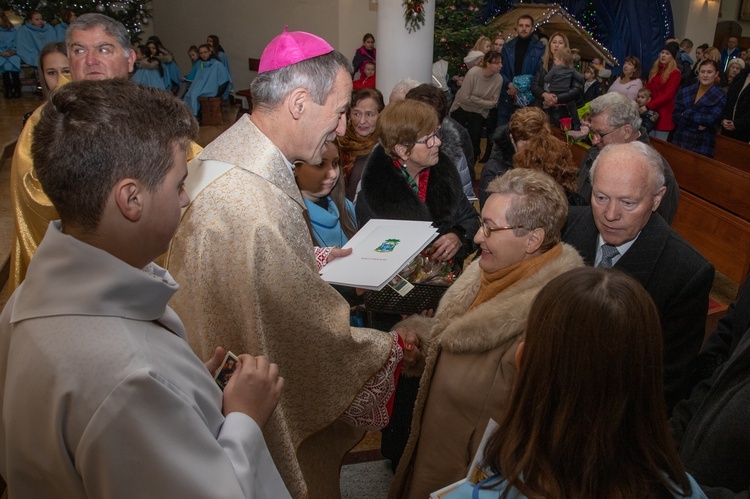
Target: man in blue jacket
point(521, 56)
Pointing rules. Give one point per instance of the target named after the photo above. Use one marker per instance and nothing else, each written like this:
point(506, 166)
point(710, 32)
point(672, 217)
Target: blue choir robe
point(149, 78)
point(30, 41)
point(210, 76)
point(8, 42)
point(60, 29)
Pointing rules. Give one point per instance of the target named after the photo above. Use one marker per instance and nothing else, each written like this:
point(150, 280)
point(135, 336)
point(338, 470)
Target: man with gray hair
point(615, 120)
point(244, 253)
point(620, 230)
point(98, 49)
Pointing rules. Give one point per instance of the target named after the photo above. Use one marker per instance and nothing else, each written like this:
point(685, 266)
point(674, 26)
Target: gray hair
point(402, 87)
point(537, 201)
point(316, 75)
point(110, 26)
point(652, 157)
point(620, 109)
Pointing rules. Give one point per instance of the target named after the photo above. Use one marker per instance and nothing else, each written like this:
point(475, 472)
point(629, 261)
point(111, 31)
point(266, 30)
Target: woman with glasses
point(478, 94)
point(470, 343)
point(407, 177)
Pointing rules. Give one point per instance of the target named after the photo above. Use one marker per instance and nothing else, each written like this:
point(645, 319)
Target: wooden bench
point(210, 111)
point(732, 152)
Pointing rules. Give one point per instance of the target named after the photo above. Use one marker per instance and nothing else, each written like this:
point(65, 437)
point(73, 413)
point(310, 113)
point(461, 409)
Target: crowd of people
point(576, 321)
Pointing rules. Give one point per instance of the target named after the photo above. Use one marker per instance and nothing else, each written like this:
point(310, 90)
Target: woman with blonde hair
point(558, 102)
point(664, 81)
point(586, 417)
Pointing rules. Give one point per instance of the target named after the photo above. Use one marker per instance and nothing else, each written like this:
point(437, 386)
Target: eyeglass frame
point(487, 230)
point(437, 133)
point(602, 135)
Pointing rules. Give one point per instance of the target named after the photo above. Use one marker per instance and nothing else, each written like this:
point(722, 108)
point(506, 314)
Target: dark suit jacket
point(676, 276)
point(712, 427)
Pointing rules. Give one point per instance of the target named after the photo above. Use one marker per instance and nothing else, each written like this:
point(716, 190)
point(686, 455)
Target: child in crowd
point(213, 43)
point(211, 79)
point(120, 405)
point(171, 69)
point(10, 62)
point(32, 37)
point(560, 79)
point(149, 70)
point(591, 86)
point(649, 117)
point(187, 80)
point(54, 68)
point(367, 78)
point(366, 52)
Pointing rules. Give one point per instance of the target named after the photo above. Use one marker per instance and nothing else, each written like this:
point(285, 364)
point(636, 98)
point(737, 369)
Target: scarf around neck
point(351, 146)
point(495, 283)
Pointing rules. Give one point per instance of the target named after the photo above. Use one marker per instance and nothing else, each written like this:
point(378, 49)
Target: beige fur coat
point(468, 373)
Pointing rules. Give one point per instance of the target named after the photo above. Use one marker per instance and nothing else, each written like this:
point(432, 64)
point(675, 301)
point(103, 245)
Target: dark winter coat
point(737, 108)
point(386, 194)
point(500, 161)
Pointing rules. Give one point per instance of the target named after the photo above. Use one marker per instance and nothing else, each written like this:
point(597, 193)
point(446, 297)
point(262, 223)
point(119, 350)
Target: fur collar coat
point(468, 372)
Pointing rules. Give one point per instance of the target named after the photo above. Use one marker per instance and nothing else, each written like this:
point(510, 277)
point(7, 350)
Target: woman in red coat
point(663, 81)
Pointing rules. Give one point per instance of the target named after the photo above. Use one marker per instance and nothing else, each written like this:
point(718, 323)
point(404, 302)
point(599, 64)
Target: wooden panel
point(719, 236)
point(721, 184)
point(253, 64)
point(732, 152)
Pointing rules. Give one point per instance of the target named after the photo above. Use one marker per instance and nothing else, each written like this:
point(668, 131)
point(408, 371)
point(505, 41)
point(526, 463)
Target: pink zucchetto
point(290, 48)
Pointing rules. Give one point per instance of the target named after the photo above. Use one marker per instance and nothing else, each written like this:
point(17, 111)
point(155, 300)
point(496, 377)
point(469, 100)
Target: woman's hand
point(549, 99)
point(727, 124)
point(411, 347)
point(445, 247)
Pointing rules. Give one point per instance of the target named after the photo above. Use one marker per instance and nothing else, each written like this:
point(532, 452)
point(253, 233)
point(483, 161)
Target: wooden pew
point(732, 152)
point(720, 184)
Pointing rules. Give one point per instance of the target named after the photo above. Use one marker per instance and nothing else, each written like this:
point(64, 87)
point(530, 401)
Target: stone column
point(402, 54)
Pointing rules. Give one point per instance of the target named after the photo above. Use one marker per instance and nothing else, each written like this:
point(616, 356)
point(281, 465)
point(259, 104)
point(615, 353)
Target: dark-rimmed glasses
point(601, 136)
point(429, 141)
point(487, 230)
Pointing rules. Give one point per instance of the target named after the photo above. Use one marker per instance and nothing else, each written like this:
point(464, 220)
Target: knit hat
point(673, 48)
point(290, 48)
point(736, 61)
point(473, 55)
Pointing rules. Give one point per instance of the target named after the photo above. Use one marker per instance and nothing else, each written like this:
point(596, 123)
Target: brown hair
point(566, 56)
point(368, 93)
point(50, 48)
point(490, 57)
point(92, 134)
point(586, 416)
point(430, 94)
point(537, 202)
point(544, 151)
point(636, 64)
point(404, 121)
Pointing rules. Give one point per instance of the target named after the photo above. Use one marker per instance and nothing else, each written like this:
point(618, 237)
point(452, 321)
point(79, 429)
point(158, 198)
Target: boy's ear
point(128, 195)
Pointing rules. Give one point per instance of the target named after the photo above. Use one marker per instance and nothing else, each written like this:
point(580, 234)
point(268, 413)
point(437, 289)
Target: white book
point(380, 250)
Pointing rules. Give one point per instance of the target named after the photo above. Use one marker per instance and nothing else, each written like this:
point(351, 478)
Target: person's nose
point(611, 212)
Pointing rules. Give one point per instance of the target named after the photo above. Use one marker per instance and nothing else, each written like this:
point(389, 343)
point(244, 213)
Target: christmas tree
point(458, 25)
point(133, 14)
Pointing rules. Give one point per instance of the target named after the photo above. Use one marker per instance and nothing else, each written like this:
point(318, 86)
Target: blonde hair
point(566, 56)
point(713, 53)
point(547, 57)
point(481, 41)
point(671, 66)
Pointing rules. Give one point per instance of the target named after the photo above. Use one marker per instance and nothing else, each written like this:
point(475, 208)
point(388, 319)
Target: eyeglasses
point(429, 141)
point(487, 230)
point(600, 136)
